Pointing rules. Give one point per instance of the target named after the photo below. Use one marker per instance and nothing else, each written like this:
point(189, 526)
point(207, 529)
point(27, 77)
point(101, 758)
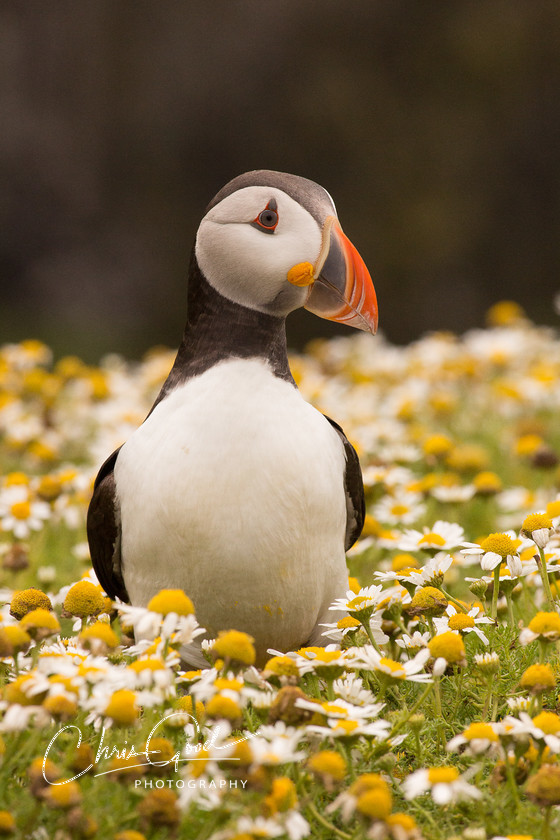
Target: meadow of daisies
point(430, 711)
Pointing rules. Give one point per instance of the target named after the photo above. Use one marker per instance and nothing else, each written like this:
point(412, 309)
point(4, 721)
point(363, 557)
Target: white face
point(249, 264)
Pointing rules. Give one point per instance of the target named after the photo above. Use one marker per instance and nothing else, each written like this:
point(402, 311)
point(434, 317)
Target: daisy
point(415, 642)
point(544, 626)
point(336, 631)
point(351, 728)
point(277, 744)
point(495, 549)
point(20, 514)
point(453, 493)
point(328, 662)
point(441, 536)
point(544, 728)
point(351, 688)
point(367, 657)
point(406, 509)
point(462, 622)
point(478, 739)
point(445, 785)
point(360, 604)
point(340, 709)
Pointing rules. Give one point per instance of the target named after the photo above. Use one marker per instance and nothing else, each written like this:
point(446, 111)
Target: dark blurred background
point(434, 125)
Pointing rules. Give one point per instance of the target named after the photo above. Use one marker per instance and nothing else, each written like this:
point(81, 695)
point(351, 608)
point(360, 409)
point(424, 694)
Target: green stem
point(512, 784)
point(546, 823)
point(488, 698)
point(541, 563)
point(509, 602)
point(437, 698)
point(495, 591)
point(329, 689)
point(367, 628)
point(454, 601)
point(412, 711)
point(326, 824)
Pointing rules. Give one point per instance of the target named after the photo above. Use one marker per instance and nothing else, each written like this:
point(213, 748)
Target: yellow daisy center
point(282, 666)
point(236, 645)
point(535, 522)
point(549, 722)
point(395, 668)
point(404, 563)
point(431, 539)
point(171, 601)
point(499, 544)
point(83, 599)
point(545, 622)
point(21, 510)
point(399, 510)
point(146, 665)
point(449, 646)
point(122, 707)
point(328, 763)
point(538, 677)
point(375, 804)
point(346, 622)
point(461, 621)
point(442, 775)
point(480, 731)
point(553, 509)
point(347, 725)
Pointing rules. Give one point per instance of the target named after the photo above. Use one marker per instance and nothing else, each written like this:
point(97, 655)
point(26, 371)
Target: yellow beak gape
point(301, 274)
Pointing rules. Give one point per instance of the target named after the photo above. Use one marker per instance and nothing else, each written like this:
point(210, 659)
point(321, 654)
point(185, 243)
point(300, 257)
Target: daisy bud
point(84, 599)
point(544, 787)
point(16, 558)
point(329, 766)
point(427, 601)
point(235, 646)
point(160, 808)
point(130, 834)
point(538, 678)
point(282, 797)
point(65, 794)
point(7, 824)
point(13, 639)
point(40, 624)
point(221, 707)
point(80, 824)
point(285, 707)
point(478, 588)
point(488, 663)
point(99, 638)
point(448, 646)
point(122, 708)
point(28, 600)
point(171, 601)
point(538, 527)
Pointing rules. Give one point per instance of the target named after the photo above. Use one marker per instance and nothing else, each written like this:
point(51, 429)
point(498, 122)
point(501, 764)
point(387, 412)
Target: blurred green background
point(434, 125)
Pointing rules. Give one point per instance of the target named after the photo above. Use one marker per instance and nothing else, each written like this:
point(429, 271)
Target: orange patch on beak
point(343, 290)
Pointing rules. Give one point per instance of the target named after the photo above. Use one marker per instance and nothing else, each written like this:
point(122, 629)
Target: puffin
point(234, 488)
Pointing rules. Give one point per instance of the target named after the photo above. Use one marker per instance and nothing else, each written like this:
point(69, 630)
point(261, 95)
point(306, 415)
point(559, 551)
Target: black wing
point(104, 532)
point(354, 487)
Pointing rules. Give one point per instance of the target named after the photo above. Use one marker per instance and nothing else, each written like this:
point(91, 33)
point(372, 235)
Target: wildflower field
point(430, 711)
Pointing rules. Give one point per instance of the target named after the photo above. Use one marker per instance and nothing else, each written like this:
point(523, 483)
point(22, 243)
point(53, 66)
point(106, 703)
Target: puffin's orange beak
point(342, 289)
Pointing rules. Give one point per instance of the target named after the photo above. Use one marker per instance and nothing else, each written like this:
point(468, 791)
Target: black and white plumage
point(234, 488)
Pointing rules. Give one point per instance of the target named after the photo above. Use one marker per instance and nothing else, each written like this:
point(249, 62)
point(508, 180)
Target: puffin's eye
point(267, 218)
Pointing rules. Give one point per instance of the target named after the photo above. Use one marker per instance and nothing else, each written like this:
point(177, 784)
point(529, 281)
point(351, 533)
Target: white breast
point(233, 490)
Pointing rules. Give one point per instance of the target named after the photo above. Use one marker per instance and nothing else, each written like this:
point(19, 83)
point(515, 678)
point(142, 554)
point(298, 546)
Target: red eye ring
point(267, 219)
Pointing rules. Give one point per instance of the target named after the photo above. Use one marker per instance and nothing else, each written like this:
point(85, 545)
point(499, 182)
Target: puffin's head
point(272, 242)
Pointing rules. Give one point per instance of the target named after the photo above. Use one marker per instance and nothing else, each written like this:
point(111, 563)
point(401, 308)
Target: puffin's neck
point(218, 329)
